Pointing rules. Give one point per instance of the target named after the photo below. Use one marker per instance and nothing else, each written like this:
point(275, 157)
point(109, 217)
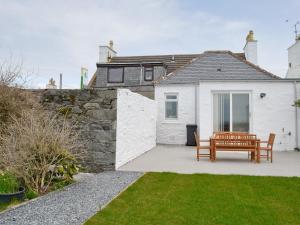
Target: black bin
point(190, 138)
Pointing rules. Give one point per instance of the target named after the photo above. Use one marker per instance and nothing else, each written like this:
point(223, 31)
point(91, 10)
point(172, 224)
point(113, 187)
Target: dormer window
point(115, 75)
point(148, 73)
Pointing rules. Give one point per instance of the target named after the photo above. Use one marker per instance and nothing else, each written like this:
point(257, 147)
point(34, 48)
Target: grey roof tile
point(216, 65)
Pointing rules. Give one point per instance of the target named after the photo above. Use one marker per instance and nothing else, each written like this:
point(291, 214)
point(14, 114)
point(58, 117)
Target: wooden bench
point(235, 141)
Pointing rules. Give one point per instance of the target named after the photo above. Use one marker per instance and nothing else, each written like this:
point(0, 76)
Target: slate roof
point(172, 62)
point(216, 65)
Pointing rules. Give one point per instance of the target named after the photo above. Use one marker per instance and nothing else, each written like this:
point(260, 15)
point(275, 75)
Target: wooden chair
point(199, 147)
point(268, 148)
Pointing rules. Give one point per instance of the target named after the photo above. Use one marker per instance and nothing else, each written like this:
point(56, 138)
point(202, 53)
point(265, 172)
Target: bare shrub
point(12, 102)
point(13, 99)
point(38, 148)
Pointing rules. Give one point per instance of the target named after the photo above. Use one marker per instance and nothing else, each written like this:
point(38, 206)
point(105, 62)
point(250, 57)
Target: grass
point(177, 199)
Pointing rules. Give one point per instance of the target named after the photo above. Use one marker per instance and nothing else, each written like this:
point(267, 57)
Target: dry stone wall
point(94, 113)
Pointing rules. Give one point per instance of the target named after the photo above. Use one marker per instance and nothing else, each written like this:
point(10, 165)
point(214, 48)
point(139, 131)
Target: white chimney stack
point(250, 48)
point(106, 52)
point(294, 60)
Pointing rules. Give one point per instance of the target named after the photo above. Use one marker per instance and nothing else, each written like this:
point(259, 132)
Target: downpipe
point(296, 117)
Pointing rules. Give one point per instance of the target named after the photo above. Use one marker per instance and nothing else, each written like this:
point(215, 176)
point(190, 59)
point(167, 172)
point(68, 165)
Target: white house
point(215, 90)
point(220, 91)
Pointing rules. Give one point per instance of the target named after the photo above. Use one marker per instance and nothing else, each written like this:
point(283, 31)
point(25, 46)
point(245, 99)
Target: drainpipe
point(141, 74)
point(296, 115)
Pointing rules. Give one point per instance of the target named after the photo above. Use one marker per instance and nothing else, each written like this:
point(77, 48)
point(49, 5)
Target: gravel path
point(72, 205)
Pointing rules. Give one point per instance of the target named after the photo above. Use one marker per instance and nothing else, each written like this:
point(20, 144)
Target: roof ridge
point(168, 55)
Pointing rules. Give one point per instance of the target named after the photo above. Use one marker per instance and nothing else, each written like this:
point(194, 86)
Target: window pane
point(240, 112)
point(221, 111)
point(115, 75)
point(171, 96)
point(148, 75)
point(171, 110)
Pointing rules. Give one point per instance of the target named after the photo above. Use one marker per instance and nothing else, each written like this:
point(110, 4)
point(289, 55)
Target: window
point(171, 106)
point(115, 75)
point(148, 73)
point(231, 112)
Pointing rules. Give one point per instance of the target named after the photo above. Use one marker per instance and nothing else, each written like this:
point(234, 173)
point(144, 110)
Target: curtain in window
point(240, 112)
point(221, 110)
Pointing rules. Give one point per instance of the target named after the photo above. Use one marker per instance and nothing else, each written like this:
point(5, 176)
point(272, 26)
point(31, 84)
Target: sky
point(53, 37)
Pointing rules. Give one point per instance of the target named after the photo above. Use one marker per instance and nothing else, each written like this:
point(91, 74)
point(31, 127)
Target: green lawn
point(177, 199)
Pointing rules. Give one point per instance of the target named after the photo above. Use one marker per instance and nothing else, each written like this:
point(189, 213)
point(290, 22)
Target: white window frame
point(230, 92)
point(171, 100)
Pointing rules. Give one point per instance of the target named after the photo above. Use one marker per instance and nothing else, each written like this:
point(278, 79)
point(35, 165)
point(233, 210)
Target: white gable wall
point(273, 113)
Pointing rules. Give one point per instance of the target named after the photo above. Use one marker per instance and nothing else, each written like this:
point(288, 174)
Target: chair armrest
point(264, 142)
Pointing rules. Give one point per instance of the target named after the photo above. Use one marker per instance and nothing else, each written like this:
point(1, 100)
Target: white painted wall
point(136, 126)
point(274, 113)
point(174, 131)
point(294, 59)
point(250, 50)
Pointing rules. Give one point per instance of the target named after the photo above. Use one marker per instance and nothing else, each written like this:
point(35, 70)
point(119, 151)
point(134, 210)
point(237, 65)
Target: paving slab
point(182, 159)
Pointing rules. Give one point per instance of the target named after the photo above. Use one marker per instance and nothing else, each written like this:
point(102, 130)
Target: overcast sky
point(53, 37)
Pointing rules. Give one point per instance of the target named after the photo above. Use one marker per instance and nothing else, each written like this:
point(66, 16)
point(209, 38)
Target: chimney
point(106, 52)
point(250, 48)
point(294, 60)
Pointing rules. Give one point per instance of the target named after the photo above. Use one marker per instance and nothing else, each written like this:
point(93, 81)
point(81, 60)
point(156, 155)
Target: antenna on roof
point(296, 29)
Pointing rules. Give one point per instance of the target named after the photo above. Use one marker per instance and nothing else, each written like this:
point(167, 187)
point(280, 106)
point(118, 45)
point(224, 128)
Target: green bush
point(30, 194)
point(8, 183)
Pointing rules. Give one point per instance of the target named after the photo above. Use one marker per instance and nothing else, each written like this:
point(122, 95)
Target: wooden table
point(233, 141)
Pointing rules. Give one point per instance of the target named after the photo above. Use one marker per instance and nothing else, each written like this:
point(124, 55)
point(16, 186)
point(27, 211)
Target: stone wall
point(94, 114)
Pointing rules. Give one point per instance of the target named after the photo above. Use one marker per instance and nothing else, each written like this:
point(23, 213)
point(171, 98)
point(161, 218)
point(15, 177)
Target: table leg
point(258, 152)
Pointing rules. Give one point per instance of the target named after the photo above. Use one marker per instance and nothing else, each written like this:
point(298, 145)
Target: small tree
point(37, 148)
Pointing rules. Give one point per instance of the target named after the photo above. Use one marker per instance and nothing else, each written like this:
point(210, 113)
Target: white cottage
point(216, 90)
point(221, 91)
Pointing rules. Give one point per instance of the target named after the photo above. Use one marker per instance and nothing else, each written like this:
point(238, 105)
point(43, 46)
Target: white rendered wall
point(136, 126)
point(273, 113)
point(104, 53)
point(250, 50)
point(174, 131)
point(294, 59)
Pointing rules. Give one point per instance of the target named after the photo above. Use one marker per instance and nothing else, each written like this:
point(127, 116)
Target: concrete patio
point(181, 159)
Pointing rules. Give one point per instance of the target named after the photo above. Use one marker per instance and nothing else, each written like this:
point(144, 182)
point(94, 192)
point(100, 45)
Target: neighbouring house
point(294, 60)
point(136, 73)
point(215, 90)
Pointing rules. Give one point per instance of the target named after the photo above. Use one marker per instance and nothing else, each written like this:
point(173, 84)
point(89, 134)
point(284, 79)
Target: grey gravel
point(73, 204)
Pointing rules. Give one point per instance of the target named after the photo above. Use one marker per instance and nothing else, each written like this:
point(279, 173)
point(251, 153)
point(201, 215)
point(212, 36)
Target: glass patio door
point(231, 112)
